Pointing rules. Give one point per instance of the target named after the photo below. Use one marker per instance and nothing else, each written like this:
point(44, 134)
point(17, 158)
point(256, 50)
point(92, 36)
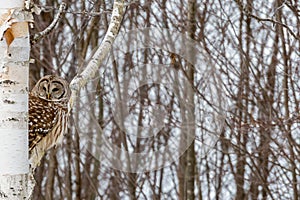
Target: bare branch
point(47, 30)
point(274, 22)
point(246, 11)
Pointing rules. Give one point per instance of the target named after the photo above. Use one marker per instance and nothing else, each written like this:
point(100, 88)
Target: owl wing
point(42, 118)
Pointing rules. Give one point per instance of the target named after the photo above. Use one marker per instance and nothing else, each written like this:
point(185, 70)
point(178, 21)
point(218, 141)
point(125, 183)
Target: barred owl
point(48, 113)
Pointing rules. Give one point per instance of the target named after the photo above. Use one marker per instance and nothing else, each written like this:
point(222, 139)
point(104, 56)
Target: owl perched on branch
point(48, 114)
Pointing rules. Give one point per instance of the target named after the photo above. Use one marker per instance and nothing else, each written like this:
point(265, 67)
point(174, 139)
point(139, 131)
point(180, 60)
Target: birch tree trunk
point(14, 58)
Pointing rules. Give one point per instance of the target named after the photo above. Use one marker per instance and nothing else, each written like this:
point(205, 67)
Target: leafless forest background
point(254, 47)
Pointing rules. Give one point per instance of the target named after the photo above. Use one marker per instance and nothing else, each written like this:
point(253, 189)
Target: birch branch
point(92, 67)
point(47, 30)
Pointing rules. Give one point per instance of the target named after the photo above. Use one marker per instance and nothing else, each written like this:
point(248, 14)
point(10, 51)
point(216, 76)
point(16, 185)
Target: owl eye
point(54, 89)
point(44, 88)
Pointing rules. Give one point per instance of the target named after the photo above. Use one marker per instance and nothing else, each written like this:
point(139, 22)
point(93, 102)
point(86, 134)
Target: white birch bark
point(14, 65)
point(93, 65)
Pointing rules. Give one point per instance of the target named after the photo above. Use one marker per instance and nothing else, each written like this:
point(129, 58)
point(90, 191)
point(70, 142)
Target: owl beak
point(48, 96)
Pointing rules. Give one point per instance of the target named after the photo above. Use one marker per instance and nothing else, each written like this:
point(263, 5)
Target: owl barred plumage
point(48, 108)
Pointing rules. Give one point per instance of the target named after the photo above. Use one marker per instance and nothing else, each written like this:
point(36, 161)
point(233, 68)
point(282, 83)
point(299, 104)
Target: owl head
point(52, 88)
